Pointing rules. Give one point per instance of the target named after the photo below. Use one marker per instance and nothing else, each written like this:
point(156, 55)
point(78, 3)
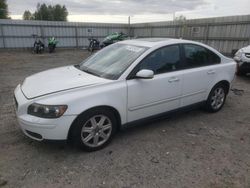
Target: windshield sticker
point(134, 48)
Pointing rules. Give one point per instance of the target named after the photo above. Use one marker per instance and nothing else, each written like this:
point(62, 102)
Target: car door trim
point(164, 101)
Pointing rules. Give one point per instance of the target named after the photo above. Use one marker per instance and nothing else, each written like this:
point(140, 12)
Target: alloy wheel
point(96, 131)
point(217, 98)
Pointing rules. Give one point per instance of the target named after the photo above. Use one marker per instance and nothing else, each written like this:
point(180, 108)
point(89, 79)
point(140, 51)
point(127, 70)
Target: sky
point(118, 11)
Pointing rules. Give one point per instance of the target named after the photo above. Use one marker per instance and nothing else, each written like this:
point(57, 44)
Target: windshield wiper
point(88, 71)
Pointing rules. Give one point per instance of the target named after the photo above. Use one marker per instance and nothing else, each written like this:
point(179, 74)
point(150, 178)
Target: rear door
point(200, 72)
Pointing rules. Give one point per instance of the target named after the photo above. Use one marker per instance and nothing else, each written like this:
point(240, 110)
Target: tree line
point(43, 12)
point(4, 10)
point(47, 12)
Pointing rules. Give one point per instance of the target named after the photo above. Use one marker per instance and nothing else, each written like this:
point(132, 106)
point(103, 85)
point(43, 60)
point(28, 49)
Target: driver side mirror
point(145, 74)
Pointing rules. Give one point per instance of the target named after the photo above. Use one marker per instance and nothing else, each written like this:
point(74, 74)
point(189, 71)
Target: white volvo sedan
point(123, 83)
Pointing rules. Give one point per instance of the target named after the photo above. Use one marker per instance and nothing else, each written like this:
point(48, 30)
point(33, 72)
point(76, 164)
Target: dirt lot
point(194, 149)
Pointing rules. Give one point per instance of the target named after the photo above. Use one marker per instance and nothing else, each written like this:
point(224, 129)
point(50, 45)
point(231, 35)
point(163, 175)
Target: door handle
point(174, 79)
point(211, 72)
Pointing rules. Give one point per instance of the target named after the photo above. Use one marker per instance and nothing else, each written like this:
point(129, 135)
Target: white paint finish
point(145, 74)
point(54, 129)
point(196, 82)
point(58, 79)
point(133, 99)
point(147, 97)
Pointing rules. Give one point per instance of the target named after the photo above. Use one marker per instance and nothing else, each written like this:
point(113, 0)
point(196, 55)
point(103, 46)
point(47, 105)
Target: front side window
point(112, 61)
point(198, 56)
point(163, 60)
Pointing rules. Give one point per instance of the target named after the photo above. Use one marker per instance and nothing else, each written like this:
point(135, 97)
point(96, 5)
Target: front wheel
point(216, 98)
point(91, 47)
point(93, 130)
point(51, 48)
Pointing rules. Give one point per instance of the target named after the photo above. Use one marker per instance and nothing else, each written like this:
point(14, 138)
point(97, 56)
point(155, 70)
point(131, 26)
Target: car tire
point(94, 129)
point(216, 98)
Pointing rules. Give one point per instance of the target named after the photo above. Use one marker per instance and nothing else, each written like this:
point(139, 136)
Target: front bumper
point(40, 128)
point(244, 66)
point(47, 131)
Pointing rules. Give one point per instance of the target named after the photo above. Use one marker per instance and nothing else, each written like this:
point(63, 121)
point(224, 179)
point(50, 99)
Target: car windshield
point(112, 61)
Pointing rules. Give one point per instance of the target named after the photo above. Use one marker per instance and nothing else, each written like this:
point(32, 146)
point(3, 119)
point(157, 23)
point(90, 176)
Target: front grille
point(247, 55)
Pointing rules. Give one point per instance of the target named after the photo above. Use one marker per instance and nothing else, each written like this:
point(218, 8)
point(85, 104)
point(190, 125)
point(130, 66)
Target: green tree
point(3, 9)
point(51, 13)
point(180, 18)
point(60, 13)
point(27, 15)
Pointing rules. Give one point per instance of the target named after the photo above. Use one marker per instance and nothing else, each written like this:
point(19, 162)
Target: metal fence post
point(42, 34)
point(207, 34)
point(76, 37)
point(129, 27)
point(183, 33)
point(175, 31)
point(2, 35)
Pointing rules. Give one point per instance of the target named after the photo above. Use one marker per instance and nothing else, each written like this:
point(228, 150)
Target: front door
point(148, 97)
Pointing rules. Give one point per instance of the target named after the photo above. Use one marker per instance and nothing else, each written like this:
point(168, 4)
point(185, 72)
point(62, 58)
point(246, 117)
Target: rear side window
point(198, 56)
point(166, 59)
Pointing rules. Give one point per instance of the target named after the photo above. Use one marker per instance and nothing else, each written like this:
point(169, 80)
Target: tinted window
point(163, 60)
point(197, 56)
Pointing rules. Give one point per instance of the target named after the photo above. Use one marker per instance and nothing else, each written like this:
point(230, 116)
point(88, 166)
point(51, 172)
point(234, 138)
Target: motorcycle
point(38, 46)
point(52, 42)
point(94, 44)
point(113, 38)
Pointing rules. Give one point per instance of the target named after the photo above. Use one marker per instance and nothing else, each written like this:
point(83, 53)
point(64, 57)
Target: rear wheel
point(216, 98)
point(93, 130)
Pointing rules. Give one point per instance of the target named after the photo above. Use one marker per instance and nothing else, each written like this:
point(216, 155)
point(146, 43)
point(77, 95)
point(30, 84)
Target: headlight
point(47, 111)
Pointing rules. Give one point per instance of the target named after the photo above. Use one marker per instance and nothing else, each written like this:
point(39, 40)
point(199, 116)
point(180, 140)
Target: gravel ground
point(194, 149)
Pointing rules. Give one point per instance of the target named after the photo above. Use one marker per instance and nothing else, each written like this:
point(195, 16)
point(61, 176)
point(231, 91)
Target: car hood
point(58, 79)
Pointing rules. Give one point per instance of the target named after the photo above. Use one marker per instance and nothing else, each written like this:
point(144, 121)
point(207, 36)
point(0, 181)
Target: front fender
point(112, 94)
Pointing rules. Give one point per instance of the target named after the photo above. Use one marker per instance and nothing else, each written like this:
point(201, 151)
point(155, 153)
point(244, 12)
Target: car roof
point(151, 42)
point(158, 42)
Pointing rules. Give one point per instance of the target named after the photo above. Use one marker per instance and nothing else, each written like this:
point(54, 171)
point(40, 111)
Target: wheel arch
point(103, 107)
point(224, 83)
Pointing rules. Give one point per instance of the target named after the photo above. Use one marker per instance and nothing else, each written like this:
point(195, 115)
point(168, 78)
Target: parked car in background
point(242, 57)
point(125, 82)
